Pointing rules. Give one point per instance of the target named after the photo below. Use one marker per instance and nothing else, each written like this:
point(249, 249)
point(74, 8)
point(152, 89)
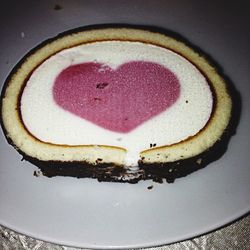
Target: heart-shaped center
point(116, 99)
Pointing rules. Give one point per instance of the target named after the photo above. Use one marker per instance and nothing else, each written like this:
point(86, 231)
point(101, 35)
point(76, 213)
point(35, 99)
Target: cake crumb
point(102, 85)
point(98, 160)
point(199, 161)
point(58, 7)
point(150, 187)
point(186, 101)
point(37, 173)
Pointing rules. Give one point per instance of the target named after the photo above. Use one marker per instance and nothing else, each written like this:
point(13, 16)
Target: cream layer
point(50, 123)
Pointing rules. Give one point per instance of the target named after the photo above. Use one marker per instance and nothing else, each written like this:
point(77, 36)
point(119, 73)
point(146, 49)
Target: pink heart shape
point(116, 99)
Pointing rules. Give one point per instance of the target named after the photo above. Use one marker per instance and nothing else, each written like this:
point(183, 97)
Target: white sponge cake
point(117, 104)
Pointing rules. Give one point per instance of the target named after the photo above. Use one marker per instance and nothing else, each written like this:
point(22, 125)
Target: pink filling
point(117, 100)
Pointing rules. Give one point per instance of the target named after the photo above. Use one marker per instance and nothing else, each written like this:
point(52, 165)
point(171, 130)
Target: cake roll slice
point(116, 104)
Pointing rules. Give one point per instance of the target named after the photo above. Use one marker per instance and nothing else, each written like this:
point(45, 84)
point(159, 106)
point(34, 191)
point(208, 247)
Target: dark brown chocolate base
point(101, 171)
point(112, 173)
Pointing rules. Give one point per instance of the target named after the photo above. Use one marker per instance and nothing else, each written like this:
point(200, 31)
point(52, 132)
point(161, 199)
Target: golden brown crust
point(31, 146)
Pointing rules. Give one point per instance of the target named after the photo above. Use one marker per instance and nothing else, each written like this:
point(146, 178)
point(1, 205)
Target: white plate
point(86, 213)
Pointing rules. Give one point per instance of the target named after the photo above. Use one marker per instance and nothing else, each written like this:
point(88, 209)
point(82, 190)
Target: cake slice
point(116, 104)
